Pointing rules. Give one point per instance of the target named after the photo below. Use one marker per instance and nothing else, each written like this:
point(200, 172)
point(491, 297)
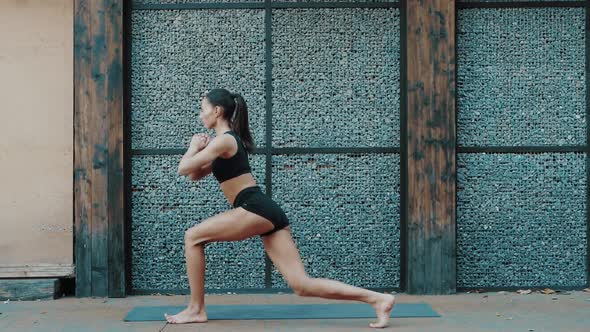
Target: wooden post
point(431, 135)
point(98, 148)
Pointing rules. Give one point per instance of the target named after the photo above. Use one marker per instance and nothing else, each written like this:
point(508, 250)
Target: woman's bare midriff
point(233, 186)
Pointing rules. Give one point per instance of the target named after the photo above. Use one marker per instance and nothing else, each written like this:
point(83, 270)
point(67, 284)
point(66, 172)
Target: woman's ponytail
point(239, 124)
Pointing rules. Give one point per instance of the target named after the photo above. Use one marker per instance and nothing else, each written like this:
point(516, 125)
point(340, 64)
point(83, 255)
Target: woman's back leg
point(283, 252)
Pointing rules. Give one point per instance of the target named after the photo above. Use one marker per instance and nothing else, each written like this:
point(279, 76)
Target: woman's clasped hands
point(200, 141)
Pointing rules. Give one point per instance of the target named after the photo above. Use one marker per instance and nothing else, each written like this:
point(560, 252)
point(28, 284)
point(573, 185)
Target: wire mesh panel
point(352, 1)
point(521, 219)
point(336, 77)
point(521, 77)
point(344, 211)
point(165, 205)
point(513, 1)
point(175, 52)
point(192, 1)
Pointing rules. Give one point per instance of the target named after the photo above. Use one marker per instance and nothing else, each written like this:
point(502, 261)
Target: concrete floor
point(568, 311)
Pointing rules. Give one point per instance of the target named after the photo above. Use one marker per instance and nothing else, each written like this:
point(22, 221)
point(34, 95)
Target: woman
point(253, 213)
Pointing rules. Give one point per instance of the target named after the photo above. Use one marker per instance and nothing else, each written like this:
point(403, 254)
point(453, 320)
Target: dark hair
point(235, 111)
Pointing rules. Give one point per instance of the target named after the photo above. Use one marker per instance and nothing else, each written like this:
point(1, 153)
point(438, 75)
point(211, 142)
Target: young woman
point(253, 213)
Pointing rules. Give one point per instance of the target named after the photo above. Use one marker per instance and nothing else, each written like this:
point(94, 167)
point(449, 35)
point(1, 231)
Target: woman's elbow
point(182, 170)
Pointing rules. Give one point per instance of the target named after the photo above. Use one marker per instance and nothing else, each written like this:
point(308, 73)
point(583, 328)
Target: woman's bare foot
point(188, 315)
point(383, 307)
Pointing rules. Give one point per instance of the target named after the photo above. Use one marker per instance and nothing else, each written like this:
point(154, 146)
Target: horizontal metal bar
point(335, 5)
point(176, 151)
point(522, 149)
point(179, 151)
point(239, 291)
point(460, 149)
point(494, 149)
point(261, 5)
point(184, 6)
point(521, 4)
point(149, 152)
point(282, 5)
point(336, 150)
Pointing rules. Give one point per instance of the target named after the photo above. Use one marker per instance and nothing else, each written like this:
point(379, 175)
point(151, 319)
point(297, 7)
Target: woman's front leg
point(234, 225)
point(195, 268)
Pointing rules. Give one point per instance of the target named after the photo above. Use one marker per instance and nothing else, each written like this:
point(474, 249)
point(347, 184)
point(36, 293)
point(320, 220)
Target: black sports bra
point(225, 169)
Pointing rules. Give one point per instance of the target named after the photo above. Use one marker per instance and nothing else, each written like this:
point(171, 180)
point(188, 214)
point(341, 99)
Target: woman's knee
point(301, 286)
point(194, 236)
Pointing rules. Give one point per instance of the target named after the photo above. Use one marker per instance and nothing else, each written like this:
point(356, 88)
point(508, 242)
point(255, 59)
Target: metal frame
point(127, 151)
point(587, 143)
point(264, 5)
point(268, 123)
point(456, 139)
point(335, 5)
point(287, 150)
point(268, 150)
point(403, 218)
point(183, 6)
point(522, 149)
point(520, 4)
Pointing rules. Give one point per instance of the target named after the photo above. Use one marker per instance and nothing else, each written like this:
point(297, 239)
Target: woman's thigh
point(233, 225)
point(283, 253)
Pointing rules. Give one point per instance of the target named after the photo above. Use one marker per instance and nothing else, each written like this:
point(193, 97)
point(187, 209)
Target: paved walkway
point(567, 311)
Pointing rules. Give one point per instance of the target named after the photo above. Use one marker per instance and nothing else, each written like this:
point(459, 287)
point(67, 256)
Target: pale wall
point(36, 132)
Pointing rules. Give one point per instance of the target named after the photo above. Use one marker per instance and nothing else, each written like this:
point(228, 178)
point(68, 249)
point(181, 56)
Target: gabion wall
point(179, 54)
point(164, 207)
point(335, 84)
point(335, 77)
point(521, 77)
point(345, 215)
point(521, 218)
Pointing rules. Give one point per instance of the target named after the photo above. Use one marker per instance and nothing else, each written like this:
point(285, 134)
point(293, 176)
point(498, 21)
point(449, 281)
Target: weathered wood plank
point(431, 170)
point(114, 100)
point(98, 133)
point(36, 270)
point(82, 181)
point(29, 289)
point(98, 151)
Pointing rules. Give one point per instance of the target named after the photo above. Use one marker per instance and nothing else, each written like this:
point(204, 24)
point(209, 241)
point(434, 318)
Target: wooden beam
point(98, 148)
point(431, 166)
point(29, 289)
point(36, 270)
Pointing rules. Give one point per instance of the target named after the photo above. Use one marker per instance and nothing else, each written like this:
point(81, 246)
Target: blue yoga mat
point(283, 311)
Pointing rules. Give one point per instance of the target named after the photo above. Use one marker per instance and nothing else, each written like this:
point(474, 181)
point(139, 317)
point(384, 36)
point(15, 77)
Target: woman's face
point(207, 115)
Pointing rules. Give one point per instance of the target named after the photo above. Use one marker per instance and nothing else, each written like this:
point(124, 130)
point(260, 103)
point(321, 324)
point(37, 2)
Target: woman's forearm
point(190, 152)
point(201, 172)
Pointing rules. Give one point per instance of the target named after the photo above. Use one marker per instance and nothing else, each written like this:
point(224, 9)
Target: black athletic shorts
point(254, 200)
